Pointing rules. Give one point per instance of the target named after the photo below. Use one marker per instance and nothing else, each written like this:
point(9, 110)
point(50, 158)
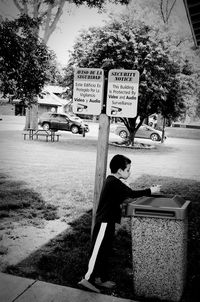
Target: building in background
point(51, 98)
point(193, 14)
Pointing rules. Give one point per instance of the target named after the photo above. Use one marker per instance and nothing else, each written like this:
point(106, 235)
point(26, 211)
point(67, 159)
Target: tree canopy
point(47, 13)
point(24, 60)
point(43, 16)
point(124, 45)
point(169, 22)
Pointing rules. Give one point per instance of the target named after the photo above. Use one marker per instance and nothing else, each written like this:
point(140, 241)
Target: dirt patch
point(20, 240)
point(136, 146)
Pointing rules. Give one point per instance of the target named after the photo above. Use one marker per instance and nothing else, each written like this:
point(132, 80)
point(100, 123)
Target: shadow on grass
point(64, 259)
point(17, 201)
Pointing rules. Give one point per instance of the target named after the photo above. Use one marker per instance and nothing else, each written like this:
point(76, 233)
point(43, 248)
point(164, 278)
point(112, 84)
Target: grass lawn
point(45, 189)
point(64, 259)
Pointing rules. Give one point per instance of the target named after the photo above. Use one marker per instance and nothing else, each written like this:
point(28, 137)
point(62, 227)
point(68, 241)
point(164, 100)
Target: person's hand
point(155, 189)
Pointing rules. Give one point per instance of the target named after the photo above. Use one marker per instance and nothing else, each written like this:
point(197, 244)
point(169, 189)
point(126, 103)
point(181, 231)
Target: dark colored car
point(62, 121)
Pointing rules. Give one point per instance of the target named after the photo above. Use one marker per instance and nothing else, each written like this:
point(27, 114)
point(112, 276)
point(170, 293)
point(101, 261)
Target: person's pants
point(102, 239)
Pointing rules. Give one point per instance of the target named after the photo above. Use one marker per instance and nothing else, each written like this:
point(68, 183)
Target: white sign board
point(122, 95)
point(88, 90)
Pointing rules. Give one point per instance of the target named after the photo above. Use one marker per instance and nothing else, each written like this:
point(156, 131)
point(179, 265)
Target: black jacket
point(113, 194)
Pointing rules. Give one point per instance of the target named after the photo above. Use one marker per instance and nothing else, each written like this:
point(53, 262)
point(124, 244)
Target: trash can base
point(159, 257)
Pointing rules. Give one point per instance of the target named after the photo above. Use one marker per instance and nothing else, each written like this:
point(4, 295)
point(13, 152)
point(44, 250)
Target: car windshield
point(73, 116)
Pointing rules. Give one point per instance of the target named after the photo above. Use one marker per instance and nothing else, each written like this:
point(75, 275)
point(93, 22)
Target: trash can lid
point(158, 206)
point(161, 201)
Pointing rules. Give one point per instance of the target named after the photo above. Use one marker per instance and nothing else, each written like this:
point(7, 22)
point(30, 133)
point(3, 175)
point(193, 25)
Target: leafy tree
point(189, 79)
point(46, 13)
point(24, 61)
point(169, 21)
point(55, 73)
point(125, 45)
point(43, 17)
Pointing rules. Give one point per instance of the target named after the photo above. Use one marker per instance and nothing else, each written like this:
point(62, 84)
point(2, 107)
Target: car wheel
point(74, 129)
point(123, 134)
point(45, 126)
point(155, 137)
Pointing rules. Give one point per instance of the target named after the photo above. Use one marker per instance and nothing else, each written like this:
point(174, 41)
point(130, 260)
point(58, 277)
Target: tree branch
point(126, 122)
point(20, 8)
point(166, 9)
point(165, 13)
point(50, 28)
point(42, 15)
point(182, 41)
point(171, 10)
point(161, 10)
point(36, 7)
point(25, 7)
point(140, 123)
point(47, 26)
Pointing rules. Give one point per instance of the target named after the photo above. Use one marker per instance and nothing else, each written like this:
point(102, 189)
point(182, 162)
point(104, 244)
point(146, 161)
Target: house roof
point(55, 89)
point(49, 95)
point(45, 98)
point(193, 13)
point(49, 99)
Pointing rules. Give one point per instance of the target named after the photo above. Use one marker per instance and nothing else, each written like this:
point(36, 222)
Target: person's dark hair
point(119, 162)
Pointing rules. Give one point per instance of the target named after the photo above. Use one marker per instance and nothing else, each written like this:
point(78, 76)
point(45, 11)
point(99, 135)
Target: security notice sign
point(88, 90)
point(122, 95)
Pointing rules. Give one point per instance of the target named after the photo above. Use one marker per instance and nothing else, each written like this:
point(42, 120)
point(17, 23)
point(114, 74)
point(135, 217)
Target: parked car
point(144, 131)
point(62, 121)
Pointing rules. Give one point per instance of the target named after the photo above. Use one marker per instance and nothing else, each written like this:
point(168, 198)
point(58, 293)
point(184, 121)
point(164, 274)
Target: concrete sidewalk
point(13, 288)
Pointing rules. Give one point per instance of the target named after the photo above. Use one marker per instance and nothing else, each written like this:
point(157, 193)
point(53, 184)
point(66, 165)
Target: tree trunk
point(27, 122)
point(33, 9)
point(32, 115)
point(132, 138)
point(163, 130)
point(50, 26)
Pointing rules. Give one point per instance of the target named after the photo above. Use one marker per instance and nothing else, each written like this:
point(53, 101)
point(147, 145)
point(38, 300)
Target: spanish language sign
point(88, 90)
point(122, 95)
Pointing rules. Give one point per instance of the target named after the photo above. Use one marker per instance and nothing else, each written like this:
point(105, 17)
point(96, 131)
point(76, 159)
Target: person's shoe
point(88, 285)
point(105, 284)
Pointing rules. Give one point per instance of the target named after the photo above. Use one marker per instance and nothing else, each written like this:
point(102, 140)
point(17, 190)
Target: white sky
point(71, 22)
point(68, 28)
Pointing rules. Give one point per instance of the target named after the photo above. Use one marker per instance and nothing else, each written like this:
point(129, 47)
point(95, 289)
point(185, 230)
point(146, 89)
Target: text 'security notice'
point(122, 95)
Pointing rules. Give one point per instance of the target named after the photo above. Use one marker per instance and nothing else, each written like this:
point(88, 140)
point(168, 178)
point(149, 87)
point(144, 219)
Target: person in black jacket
point(113, 194)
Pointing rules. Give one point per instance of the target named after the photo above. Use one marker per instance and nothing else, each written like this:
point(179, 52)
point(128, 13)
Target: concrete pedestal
point(159, 248)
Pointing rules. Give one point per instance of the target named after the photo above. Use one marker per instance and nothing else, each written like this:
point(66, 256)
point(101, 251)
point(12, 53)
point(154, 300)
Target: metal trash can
point(159, 246)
